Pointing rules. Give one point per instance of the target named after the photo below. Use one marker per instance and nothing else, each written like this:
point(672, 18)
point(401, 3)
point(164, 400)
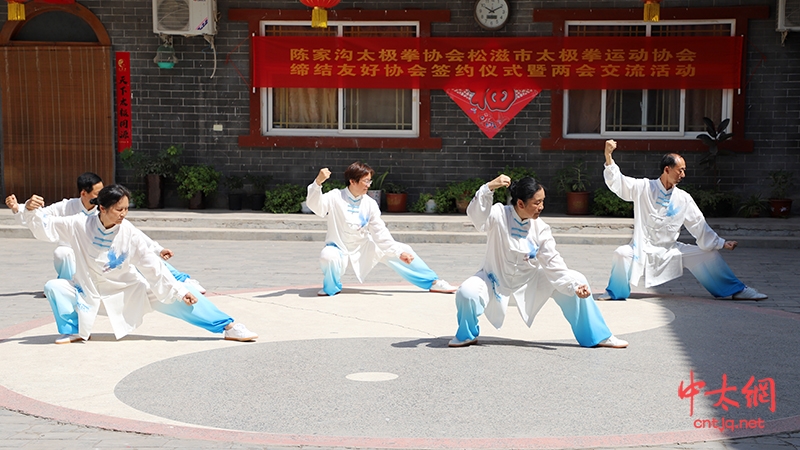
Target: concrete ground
point(369, 368)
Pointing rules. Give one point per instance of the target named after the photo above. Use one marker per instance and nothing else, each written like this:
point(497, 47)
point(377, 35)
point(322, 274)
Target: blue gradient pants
point(63, 298)
point(333, 263)
point(64, 262)
point(583, 315)
point(708, 267)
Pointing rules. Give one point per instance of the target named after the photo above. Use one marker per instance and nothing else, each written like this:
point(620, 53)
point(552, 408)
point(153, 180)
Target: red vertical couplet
point(123, 91)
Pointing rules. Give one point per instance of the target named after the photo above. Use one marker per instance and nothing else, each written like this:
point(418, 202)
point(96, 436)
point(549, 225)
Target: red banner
point(513, 63)
point(123, 93)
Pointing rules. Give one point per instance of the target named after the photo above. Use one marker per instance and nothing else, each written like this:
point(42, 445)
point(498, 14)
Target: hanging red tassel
point(16, 11)
point(319, 16)
point(651, 10)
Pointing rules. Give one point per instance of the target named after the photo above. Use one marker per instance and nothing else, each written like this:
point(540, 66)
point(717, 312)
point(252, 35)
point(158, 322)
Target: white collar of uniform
point(102, 228)
point(517, 217)
point(351, 196)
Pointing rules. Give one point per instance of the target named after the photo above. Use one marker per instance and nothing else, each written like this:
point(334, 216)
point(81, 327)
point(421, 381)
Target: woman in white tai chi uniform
point(89, 185)
point(654, 255)
point(116, 268)
point(522, 261)
point(357, 235)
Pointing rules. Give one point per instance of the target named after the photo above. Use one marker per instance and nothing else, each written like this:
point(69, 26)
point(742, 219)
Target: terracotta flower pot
point(461, 205)
point(155, 191)
point(396, 202)
point(577, 203)
point(780, 207)
point(197, 201)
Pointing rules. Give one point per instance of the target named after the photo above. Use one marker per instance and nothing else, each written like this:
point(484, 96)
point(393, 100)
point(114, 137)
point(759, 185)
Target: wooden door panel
point(57, 118)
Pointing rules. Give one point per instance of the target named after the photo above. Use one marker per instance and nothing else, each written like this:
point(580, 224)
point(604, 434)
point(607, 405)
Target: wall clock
point(491, 14)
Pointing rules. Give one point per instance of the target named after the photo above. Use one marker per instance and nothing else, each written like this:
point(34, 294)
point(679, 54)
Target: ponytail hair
point(524, 189)
point(111, 195)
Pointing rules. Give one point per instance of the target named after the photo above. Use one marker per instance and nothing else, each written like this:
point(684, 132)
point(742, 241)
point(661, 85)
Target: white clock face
point(491, 14)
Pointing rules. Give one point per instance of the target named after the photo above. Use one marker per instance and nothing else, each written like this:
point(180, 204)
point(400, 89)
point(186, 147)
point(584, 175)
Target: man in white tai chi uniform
point(660, 208)
point(89, 185)
point(357, 235)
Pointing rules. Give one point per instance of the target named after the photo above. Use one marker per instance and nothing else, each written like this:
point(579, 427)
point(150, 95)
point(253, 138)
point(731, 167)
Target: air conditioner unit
point(185, 17)
point(788, 15)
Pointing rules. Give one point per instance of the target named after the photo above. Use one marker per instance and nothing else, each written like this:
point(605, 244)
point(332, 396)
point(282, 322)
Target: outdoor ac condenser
point(185, 17)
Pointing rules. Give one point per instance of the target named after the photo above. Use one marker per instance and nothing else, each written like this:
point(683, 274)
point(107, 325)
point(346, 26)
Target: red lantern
point(651, 10)
point(319, 16)
point(16, 10)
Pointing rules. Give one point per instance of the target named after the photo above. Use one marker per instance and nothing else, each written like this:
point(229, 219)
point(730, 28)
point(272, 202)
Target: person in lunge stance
point(115, 268)
point(357, 235)
point(89, 185)
point(654, 255)
point(522, 262)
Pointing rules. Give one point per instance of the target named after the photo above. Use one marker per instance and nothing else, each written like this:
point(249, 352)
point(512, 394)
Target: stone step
point(418, 228)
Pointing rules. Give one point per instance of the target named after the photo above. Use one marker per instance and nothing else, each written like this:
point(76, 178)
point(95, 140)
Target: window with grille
point(340, 112)
point(668, 114)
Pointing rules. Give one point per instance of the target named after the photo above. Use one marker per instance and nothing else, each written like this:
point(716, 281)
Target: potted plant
point(457, 195)
point(712, 202)
point(235, 186)
point(154, 169)
point(258, 187)
point(754, 206)
point(501, 194)
point(197, 182)
point(424, 204)
point(781, 182)
point(376, 188)
point(396, 197)
point(284, 198)
point(607, 203)
point(715, 135)
point(573, 181)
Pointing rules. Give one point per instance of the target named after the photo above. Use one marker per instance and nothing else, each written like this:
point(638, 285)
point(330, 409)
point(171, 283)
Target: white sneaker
point(749, 293)
point(68, 339)
point(196, 285)
point(456, 343)
point(239, 332)
point(442, 287)
point(613, 342)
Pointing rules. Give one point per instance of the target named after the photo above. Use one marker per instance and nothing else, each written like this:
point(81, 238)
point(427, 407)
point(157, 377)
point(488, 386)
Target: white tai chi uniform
point(357, 235)
point(116, 268)
point(654, 253)
point(64, 257)
point(522, 261)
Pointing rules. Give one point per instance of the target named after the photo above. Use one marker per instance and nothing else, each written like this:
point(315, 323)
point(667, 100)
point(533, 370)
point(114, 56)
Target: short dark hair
point(669, 160)
point(524, 189)
point(87, 181)
point(357, 171)
point(111, 195)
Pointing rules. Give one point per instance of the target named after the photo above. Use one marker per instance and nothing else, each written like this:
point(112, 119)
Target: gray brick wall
point(180, 106)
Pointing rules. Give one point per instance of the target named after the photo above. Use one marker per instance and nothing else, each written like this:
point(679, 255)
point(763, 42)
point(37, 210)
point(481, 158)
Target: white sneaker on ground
point(196, 285)
point(749, 293)
point(68, 339)
point(606, 297)
point(613, 342)
point(442, 287)
point(239, 332)
point(456, 343)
